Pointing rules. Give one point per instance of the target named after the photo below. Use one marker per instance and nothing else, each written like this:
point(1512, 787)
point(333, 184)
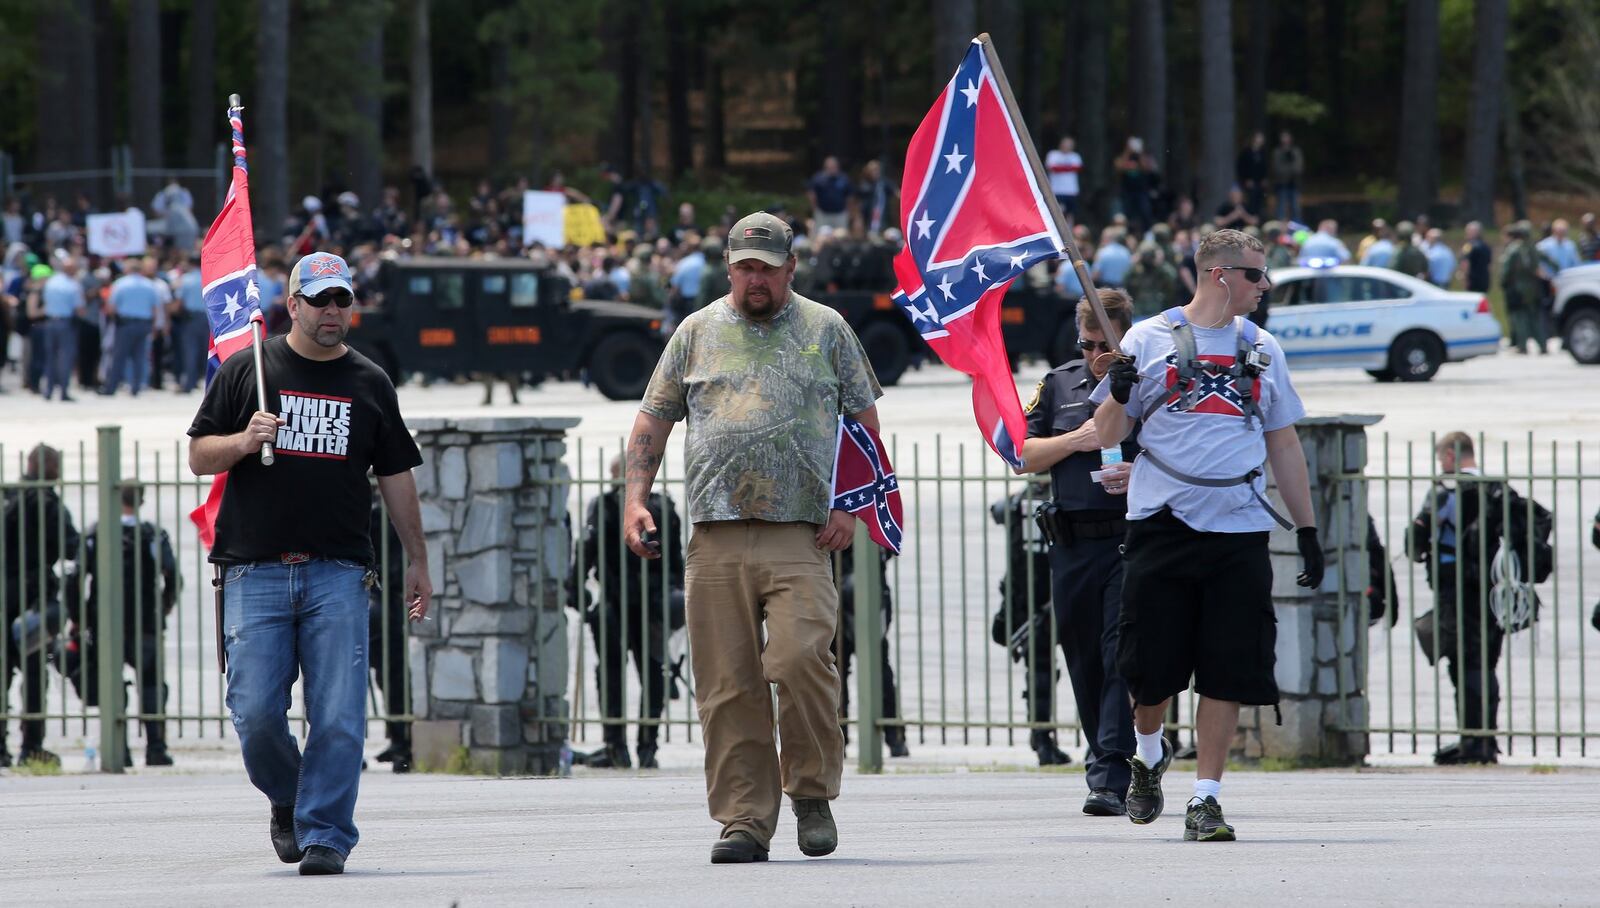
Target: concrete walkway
point(1503, 836)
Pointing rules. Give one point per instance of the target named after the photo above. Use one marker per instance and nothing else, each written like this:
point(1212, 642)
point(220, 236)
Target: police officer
point(1025, 623)
point(1214, 405)
point(386, 637)
point(149, 593)
point(1086, 523)
point(894, 736)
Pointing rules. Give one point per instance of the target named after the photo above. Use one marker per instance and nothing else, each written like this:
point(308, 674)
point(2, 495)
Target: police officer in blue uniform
point(1086, 524)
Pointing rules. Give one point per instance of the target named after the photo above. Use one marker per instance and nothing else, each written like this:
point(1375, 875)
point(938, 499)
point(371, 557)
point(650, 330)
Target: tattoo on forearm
point(642, 465)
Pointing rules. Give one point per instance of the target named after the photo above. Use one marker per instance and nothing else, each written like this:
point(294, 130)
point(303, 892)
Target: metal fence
point(950, 594)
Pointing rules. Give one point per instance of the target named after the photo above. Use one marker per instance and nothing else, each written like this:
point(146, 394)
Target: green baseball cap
point(760, 236)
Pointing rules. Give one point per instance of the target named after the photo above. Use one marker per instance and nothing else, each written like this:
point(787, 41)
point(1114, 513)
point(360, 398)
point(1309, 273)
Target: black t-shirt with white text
point(341, 418)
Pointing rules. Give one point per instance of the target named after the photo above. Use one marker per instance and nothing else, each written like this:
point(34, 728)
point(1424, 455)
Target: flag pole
point(1041, 179)
point(257, 326)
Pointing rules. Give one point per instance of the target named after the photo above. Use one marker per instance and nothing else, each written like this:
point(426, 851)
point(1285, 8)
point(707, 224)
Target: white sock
point(1149, 748)
point(1206, 788)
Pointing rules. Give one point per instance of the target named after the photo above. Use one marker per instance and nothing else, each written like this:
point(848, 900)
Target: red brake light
point(1483, 305)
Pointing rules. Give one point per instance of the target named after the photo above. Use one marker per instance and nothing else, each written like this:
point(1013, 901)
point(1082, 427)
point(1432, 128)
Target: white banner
point(543, 220)
point(117, 234)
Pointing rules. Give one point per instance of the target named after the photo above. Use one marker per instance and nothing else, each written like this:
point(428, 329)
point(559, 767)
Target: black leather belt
point(1070, 526)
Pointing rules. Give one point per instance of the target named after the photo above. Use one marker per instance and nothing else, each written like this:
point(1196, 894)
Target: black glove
point(1311, 556)
point(1123, 375)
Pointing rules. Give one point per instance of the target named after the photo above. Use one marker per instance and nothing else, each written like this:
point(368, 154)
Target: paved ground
point(1499, 837)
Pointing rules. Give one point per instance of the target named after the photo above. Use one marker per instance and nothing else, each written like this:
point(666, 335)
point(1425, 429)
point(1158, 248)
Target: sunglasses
point(339, 298)
point(1253, 275)
point(1087, 346)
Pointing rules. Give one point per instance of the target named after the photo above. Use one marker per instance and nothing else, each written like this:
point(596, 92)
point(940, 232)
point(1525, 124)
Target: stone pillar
point(489, 672)
point(1320, 669)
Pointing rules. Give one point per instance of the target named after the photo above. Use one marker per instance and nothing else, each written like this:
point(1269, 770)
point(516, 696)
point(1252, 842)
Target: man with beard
point(761, 375)
point(295, 547)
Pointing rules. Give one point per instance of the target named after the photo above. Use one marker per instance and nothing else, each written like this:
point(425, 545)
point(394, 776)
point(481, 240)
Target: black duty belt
point(1064, 527)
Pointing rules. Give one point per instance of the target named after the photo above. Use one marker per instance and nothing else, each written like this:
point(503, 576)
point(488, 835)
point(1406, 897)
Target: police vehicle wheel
point(1581, 336)
point(1384, 375)
point(1415, 356)
point(621, 364)
point(887, 350)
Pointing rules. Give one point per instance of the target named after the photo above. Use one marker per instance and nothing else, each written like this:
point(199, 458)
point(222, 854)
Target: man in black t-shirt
point(294, 544)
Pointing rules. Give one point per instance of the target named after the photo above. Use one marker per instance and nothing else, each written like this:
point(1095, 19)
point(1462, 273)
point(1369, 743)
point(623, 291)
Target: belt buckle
point(294, 557)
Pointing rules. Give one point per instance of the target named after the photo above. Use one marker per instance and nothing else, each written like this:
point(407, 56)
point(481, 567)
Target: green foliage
point(557, 84)
point(18, 74)
point(37, 768)
point(712, 196)
point(459, 764)
point(1294, 107)
point(326, 76)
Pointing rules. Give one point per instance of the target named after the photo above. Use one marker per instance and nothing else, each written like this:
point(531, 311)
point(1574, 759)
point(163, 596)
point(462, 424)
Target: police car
point(1577, 311)
point(1392, 325)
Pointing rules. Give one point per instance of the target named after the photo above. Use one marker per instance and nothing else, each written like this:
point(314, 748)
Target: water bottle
point(1111, 455)
point(91, 759)
point(566, 760)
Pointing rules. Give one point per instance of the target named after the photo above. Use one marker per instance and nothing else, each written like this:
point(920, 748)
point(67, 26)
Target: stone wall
point(489, 671)
point(1320, 631)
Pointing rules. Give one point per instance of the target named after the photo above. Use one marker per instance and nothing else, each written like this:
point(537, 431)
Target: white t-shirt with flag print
point(1209, 441)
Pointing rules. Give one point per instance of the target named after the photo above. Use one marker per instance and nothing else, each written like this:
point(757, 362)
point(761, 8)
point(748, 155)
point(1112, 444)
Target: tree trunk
point(1335, 16)
point(1216, 101)
point(421, 88)
point(840, 123)
point(501, 114)
point(1483, 116)
point(1003, 19)
point(715, 140)
point(646, 76)
point(1180, 166)
point(1153, 79)
point(1133, 74)
point(1516, 165)
point(364, 145)
point(266, 133)
point(1255, 73)
point(206, 110)
point(144, 93)
point(622, 33)
point(1068, 77)
point(1419, 103)
point(1032, 95)
point(954, 27)
point(680, 133)
point(1092, 96)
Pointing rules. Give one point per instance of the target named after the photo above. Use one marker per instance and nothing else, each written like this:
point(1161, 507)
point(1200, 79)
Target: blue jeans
point(1288, 201)
point(310, 619)
point(130, 355)
point(191, 339)
point(60, 352)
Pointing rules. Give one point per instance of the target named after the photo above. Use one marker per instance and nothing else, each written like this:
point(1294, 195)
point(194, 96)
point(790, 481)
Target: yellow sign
point(583, 225)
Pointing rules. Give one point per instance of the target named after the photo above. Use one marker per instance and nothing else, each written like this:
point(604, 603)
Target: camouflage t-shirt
point(763, 404)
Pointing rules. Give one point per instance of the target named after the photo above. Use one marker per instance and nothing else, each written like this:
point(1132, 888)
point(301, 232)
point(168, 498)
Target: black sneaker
point(612, 756)
point(1145, 800)
point(157, 756)
point(38, 755)
point(1203, 822)
point(738, 847)
point(897, 743)
point(5, 758)
point(1104, 802)
point(320, 860)
point(282, 830)
point(647, 757)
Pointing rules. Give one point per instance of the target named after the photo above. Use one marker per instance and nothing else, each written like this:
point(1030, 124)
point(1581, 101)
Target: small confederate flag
point(864, 484)
point(233, 299)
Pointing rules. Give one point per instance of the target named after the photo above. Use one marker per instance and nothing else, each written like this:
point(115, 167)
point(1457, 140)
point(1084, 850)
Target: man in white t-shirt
point(1064, 165)
point(1197, 599)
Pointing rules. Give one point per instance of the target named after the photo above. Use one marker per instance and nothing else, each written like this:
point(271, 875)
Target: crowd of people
point(140, 322)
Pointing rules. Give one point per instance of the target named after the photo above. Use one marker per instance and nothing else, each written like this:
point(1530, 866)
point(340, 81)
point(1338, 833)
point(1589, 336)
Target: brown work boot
point(814, 821)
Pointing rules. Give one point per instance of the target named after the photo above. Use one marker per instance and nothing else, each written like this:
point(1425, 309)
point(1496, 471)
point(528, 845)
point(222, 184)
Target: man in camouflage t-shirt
point(761, 375)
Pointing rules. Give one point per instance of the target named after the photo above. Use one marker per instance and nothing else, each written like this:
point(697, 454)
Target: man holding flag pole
point(297, 427)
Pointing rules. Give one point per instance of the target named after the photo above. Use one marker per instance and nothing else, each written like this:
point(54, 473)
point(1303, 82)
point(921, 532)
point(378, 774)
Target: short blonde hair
point(1225, 247)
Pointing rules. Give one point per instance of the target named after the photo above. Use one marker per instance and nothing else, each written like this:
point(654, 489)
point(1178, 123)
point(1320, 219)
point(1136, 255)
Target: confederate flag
point(864, 484)
point(975, 219)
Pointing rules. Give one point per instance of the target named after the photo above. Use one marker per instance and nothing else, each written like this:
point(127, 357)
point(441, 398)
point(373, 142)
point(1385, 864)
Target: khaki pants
point(740, 573)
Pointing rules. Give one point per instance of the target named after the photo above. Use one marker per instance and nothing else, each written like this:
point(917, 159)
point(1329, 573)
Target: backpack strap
point(1244, 374)
point(1187, 356)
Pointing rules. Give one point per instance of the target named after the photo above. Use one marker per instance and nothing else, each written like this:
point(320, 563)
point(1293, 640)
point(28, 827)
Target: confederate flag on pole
point(975, 218)
point(864, 484)
point(233, 300)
